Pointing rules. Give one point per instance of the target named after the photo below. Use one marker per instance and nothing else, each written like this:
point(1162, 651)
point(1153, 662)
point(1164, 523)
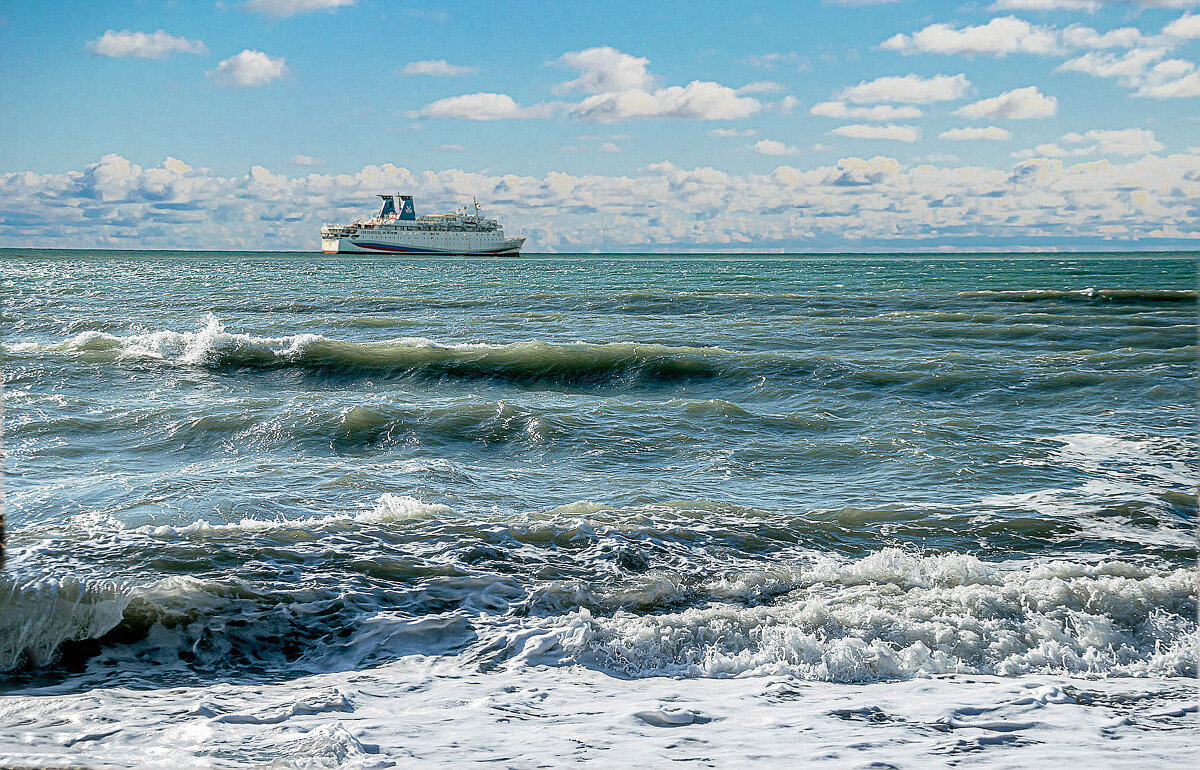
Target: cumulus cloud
point(732, 132)
point(248, 69)
point(1046, 5)
point(1127, 141)
point(285, 8)
point(857, 202)
point(437, 68)
point(786, 106)
point(772, 147)
point(993, 133)
point(699, 100)
point(1009, 35)
point(1017, 104)
point(1143, 69)
point(908, 89)
point(143, 45)
point(305, 160)
point(890, 131)
point(622, 88)
point(482, 106)
point(605, 69)
point(1048, 150)
point(1171, 88)
point(999, 37)
point(761, 87)
point(1089, 6)
point(1186, 27)
point(1128, 67)
point(878, 112)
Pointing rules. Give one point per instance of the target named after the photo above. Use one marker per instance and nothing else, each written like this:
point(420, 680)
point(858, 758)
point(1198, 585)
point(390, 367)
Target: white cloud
point(285, 8)
point(761, 87)
point(1143, 69)
point(248, 69)
point(1127, 67)
point(787, 105)
point(699, 100)
point(993, 133)
point(482, 106)
point(1084, 5)
point(875, 203)
point(1048, 150)
point(878, 112)
point(450, 148)
point(999, 37)
point(437, 68)
point(1008, 35)
point(890, 131)
point(1127, 141)
point(143, 45)
point(732, 132)
point(937, 157)
point(1017, 104)
point(770, 61)
point(622, 88)
point(1185, 27)
point(772, 147)
point(1078, 36)
point(1046, 5)
point(1182, 87)
point(305, 160)
point(605, 69)
point(908, 89)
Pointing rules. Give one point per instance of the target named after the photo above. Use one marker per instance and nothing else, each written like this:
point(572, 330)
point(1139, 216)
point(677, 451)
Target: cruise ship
point(397, 229)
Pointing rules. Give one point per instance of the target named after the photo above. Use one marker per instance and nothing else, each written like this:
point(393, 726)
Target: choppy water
point(233, 472)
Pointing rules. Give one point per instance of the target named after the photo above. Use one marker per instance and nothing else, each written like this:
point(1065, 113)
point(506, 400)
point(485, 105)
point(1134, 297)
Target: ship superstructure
point(397, 229)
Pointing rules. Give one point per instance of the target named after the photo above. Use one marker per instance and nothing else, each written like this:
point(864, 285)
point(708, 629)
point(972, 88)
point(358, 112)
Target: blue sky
point(661, 126)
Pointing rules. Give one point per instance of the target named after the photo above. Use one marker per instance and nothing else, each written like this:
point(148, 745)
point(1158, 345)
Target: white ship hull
point(397, 229)
point(424, 242)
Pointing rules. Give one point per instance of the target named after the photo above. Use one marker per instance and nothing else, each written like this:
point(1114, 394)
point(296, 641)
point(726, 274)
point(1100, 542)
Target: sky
point(844, 125)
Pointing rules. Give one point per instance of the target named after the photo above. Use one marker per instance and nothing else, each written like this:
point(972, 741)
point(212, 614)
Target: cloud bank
point(876, 203)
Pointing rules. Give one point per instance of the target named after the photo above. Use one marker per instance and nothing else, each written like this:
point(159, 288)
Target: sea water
point(316, 511)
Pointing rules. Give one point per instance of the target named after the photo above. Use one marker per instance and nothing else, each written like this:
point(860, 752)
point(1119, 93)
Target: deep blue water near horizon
point(228, 467)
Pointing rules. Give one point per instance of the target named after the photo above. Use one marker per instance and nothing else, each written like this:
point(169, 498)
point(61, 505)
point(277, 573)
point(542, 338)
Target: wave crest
point(895, 615)
point(214, 347)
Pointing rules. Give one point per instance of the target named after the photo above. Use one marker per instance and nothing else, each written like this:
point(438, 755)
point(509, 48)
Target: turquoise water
point(241, 467)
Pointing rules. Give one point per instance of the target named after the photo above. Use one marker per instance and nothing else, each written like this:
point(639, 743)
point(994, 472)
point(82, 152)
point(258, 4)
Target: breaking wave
point(523, 591)
point(1131, 296)
point(894, 615)
point(214, 347)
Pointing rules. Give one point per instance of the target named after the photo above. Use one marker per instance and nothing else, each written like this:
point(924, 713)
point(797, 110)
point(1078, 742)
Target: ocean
point(297, 510)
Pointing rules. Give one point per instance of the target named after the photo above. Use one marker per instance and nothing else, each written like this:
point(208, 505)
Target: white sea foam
point(388, 508)
point(414, 713)
point(896, 615)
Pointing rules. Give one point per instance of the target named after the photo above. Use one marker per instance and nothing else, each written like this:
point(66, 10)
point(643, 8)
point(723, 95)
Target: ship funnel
point(407, 211)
